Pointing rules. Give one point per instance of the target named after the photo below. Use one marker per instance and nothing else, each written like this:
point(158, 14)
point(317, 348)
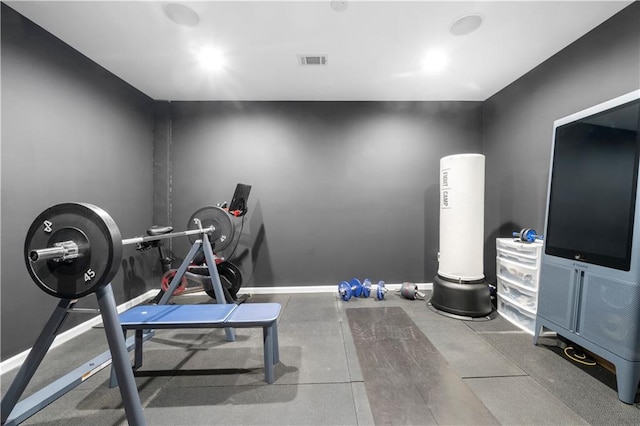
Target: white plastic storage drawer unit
point(518, 274)
point(516, 315)
point(517, 294)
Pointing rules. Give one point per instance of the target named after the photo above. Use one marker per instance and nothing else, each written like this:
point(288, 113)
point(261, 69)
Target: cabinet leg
point(539, 329)
point(628, 379)
point(536, 333)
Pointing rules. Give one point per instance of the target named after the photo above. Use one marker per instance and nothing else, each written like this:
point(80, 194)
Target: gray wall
point(71, 131)
point(339, 189)
point(518, 121)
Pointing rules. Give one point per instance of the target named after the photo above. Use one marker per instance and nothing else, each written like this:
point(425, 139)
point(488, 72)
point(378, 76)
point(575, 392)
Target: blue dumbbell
point(380, 291)
point(348, 289)
point(366, 288)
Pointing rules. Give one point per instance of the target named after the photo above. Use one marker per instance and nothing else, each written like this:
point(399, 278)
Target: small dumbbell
point(527, 235)
point(380, 291)
point(410, 291)
point(351, 288)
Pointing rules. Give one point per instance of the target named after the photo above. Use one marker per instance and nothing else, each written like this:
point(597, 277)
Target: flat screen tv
point(593, 186)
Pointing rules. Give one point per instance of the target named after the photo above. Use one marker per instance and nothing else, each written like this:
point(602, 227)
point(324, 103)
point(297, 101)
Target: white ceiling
point(374, 48)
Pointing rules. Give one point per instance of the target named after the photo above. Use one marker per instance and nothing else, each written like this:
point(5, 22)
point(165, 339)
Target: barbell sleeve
point(61, 251)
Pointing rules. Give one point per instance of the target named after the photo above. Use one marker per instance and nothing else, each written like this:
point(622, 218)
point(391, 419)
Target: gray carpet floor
point(196, 377)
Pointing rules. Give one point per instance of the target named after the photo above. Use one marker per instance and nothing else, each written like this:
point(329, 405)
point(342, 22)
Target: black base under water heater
point(465, 299)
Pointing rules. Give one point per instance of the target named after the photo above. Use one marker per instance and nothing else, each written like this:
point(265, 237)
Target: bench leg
point(138, 350)
point(137, 360)
point(276, 347)
point(267, 335)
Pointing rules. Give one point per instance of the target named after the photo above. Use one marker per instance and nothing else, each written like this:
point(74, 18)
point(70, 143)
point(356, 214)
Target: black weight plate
point(225, 284)
point(220, 220)
point(99, 247)
point(210, 293)
point(233, 274)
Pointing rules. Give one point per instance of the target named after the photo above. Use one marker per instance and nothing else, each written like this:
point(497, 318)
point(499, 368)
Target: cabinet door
point(609, 315)
point(558, 295)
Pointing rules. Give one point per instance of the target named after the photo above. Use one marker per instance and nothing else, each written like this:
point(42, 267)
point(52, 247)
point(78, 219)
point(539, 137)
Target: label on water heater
point(445, 201)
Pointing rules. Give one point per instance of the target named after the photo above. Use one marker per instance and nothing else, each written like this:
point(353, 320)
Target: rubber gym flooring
point(359, 362)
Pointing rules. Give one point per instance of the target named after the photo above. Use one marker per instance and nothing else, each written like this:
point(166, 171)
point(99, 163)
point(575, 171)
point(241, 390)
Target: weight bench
point(247, 315)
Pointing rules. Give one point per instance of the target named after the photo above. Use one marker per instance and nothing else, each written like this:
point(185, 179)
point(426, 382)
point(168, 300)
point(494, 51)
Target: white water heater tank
point(461, 217)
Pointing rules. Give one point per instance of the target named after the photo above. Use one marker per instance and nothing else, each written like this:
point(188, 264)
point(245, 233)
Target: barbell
point(74, 249)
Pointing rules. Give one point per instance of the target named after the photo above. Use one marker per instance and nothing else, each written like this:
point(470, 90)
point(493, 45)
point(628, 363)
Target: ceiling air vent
point(313, 60)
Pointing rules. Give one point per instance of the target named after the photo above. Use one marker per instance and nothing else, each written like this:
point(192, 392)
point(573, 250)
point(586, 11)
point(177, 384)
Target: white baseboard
point(316, 289)
point(17, 360)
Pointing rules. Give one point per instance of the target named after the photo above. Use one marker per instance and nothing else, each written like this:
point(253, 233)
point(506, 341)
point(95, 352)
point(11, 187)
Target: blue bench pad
point(254, 315)
point(176, 316)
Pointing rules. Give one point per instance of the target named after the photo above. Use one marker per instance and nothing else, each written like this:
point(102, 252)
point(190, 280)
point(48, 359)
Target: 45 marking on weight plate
point(89, 275)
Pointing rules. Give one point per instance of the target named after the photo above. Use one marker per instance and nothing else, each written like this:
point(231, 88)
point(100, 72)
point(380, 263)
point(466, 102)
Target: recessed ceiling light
point(181, 14)
point(211, 59)
point(339, 6)
point(434, 61)
point(466, 24)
